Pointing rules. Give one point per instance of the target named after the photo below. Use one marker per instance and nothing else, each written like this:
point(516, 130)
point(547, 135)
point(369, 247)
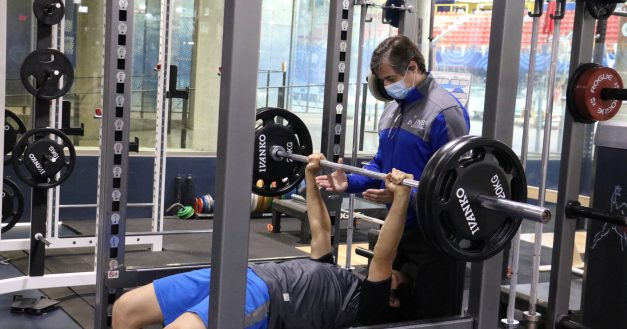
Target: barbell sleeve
point(614, 93)
point(364, 252)
point(278, 153)
point(574, 209)
point(515, 208)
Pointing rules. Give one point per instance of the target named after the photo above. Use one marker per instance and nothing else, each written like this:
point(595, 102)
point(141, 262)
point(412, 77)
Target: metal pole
point(511, 302)
point(569, 177)
point(504, 53)
point(238, 85)
point(362, 123)
point(531, 315)
point(3, 71)
point(351, 200)
point(335, 104)
point(431, 45)
point(113, 160)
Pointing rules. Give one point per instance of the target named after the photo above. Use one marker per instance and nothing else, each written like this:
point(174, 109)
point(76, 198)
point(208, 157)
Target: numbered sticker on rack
point(123, 4)
point(336, 149)
point(114, 241)
point(121, 52)
point(340, 88)
point(116, 195)
point(119, 101)
point(119, 124)
point(339, 108)
point(341, 67)
point(115, 219)
point(117, 172)
point(343, 46)
point(113, 264)
point(117, 148)
point(122, 28)
point(338, 129)
point(121, 76)
point(344, 25)
point(113, 274)
point(346, 4)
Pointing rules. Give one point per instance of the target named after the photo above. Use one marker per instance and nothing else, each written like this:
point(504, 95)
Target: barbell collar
point(575, 210)
point(614, 93)
point(514, 208)
point(278, 153)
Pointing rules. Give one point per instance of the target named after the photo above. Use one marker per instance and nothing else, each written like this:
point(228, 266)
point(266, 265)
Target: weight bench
point(298, 209)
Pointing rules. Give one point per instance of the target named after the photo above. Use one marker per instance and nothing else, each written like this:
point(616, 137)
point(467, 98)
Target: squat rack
point(237, 101)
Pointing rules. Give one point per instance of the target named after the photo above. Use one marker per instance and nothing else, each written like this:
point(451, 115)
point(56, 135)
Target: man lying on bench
point(303, 293)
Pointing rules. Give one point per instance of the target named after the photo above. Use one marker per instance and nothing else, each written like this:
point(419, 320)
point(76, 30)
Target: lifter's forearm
point(392, 231)
point(319, 220)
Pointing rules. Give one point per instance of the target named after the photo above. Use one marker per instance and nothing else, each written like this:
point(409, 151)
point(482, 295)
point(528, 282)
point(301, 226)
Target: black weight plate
point(12, 204)
point(426, 179)
point(432, 224)
point(49, 12)
point(14, 128)
point(458, 225)
point(47, 158)
point(570, 93)
point(278, 127)
point(41, 74)
point(39, 157)
point(393, 16)
point(600, 10)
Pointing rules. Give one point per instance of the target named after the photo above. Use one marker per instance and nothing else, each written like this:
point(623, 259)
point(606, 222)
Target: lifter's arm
point(392, 229)
point(319, 220)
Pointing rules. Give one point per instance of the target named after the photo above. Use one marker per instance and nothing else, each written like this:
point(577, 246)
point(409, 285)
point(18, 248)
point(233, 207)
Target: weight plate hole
point(503, 161)
point(447, 186)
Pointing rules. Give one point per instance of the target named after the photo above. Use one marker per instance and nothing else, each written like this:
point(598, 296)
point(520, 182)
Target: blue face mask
point(398, 90)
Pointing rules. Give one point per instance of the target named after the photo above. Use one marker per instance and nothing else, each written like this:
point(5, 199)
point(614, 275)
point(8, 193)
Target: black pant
point(438, 279)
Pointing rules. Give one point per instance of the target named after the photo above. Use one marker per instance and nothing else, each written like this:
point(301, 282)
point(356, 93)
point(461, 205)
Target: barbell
point(472, 194)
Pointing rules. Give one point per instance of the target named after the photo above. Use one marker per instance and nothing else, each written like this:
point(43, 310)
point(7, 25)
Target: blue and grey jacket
point(410, 131)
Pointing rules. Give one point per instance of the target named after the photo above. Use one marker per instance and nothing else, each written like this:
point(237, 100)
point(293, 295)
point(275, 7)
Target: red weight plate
point(588, 93)
point(571, 103)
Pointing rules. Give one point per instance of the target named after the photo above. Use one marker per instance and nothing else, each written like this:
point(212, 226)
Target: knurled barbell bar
point(517, 209)
point(472, 192)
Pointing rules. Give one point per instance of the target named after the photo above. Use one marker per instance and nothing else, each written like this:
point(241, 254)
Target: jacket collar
point(418, 93)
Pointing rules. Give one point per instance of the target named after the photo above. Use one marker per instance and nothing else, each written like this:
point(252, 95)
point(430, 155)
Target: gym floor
point(76, 304)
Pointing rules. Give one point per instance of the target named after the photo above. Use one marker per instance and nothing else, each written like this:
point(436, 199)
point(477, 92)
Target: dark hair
point(397, 51)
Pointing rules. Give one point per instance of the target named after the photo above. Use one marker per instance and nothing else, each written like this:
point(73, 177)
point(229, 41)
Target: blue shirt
point(410, 131)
